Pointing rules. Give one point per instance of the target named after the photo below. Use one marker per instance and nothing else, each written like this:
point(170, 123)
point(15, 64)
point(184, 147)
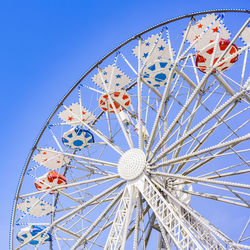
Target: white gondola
point(27, 234)
point(77, 138)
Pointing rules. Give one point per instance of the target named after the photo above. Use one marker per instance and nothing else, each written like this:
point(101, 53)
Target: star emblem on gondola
point(161, 48)
point(215, 29)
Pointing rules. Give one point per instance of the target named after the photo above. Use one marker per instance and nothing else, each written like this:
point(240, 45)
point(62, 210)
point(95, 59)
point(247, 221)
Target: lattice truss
point(150, 150)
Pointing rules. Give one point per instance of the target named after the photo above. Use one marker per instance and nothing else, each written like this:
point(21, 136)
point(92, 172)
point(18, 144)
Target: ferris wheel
point(150, 148)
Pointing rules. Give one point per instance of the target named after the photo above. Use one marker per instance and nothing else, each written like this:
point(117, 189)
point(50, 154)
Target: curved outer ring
point(13, 211)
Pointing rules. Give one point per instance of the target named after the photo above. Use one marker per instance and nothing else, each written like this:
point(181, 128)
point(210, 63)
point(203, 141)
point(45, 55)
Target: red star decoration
point(211, 41)
point(58, 162)
point(200, 26)
point(70, 118)
point(196, 37)
point(44, 153)
point(83, 112)
point(215, 29)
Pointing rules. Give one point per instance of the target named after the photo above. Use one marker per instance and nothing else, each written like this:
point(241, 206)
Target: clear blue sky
point(45, 47)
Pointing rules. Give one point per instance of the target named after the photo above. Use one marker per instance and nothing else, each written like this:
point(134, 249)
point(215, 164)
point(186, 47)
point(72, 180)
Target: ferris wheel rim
point(59, 104)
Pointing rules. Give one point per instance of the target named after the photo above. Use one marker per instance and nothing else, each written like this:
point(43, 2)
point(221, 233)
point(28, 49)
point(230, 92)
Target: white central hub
point(131, 164)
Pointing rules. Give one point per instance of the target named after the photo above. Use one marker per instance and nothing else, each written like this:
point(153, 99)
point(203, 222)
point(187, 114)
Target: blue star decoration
point(118, 76)
point(147, 44)
point(161, 48)
point(105, 73)
point(145, 55)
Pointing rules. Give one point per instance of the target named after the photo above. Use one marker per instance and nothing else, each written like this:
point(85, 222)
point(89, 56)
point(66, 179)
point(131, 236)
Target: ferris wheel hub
point(131, 164)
